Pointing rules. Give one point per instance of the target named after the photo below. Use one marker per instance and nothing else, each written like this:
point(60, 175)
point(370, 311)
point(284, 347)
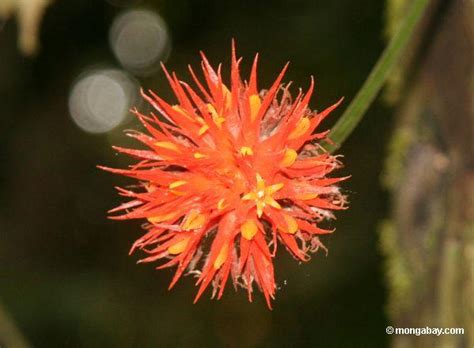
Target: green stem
point(369, 90)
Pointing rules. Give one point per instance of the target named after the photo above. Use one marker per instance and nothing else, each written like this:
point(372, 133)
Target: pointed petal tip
point(198, 295)
point(120, 217)
point(163, 67)
point(172, 284)
point(104, 168)
point(284, 69)
point(203, 55)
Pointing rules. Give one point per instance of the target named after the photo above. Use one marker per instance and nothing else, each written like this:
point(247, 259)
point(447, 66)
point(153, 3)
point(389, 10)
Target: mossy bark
point(429, 238)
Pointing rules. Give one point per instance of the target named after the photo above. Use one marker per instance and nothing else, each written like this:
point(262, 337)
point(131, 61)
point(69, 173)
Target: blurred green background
point(65, 275)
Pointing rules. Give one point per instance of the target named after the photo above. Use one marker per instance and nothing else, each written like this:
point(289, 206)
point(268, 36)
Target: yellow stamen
point(260, 205)
point(301, 128)
point(249, 229)
point(218, 120)
point(271, 202)
point(160, 218)
point(246, 151)
point(249, 196)
point(177, 193)
point(204, 126)
point(291, 224)
point(193, 221)
point(222, 257)
point(221, 204)
point(306, 196)
point(178, 247)
point(289, 158)
point(181, 111)
point(201, 120)
point(167, 145)
point(260, 182)
point(262, 195)
point(227, 96)
point(212, 111)
point(177, 184)
point(269, 190)
point(255, 104)
point(198, 155)
point(203, 129)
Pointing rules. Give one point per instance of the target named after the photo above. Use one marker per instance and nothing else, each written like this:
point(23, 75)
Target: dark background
point(65, 274)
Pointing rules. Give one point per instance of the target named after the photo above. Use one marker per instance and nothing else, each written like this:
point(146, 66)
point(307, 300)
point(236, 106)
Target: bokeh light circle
point(139, 40)
point(99, 100)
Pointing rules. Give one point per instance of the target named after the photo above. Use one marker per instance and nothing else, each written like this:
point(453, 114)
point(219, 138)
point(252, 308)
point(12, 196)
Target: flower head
point(228, 174)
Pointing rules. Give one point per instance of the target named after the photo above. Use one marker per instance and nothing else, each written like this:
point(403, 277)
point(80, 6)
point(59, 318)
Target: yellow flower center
point(262, 195)
point(246, 151)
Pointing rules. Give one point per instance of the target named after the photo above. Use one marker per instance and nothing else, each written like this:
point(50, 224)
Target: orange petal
point(306, 196)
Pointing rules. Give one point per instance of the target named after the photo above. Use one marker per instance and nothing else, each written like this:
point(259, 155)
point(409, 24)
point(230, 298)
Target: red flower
point(227, 175)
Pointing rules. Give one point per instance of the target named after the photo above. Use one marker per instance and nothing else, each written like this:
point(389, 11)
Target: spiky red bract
point(226, 176)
